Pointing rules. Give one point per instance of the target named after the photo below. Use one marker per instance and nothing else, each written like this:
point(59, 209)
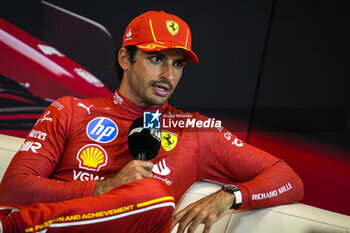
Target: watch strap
point(236, 192)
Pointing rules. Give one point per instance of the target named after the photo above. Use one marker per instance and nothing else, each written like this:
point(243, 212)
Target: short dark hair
point(131, 50)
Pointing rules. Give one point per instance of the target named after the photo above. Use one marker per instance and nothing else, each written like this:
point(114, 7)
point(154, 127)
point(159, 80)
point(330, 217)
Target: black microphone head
point(141, 140)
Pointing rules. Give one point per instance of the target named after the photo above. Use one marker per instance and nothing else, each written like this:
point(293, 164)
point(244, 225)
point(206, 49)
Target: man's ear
point(123, 59)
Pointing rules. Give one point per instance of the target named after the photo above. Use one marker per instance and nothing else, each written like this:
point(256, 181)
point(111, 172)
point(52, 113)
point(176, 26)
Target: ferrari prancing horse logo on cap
point(172, 27)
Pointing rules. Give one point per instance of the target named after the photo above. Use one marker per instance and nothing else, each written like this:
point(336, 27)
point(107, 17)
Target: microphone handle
point(142, 156)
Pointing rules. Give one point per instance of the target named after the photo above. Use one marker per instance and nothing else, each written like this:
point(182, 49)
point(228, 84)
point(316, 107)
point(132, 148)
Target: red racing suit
point(79, 141)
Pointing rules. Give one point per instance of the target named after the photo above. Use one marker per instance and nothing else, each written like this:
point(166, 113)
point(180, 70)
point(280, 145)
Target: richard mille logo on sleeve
point(273, 193)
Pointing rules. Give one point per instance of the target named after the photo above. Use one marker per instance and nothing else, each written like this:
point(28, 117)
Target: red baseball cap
point(158, 30)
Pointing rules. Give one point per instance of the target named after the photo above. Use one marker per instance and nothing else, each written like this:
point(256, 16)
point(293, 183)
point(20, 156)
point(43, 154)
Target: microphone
point(144, 144)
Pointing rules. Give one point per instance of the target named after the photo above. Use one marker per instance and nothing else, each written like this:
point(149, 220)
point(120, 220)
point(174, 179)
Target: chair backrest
point(8, 147)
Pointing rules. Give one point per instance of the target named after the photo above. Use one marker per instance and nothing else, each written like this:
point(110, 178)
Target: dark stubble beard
point(166, 82)
point(139, 88)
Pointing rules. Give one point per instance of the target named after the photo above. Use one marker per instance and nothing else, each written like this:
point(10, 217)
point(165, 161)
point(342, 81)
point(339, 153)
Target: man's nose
point(168, 72)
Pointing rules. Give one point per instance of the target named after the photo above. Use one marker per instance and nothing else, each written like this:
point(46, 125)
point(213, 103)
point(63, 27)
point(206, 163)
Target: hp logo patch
point(102, 130)
point(151, 120)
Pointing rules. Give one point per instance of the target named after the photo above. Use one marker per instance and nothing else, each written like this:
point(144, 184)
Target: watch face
point(232, 187)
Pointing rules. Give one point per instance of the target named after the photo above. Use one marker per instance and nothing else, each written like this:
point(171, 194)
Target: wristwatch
point(230, 188)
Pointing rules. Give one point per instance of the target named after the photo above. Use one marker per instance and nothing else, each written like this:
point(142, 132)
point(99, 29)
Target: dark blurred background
point(270, 69)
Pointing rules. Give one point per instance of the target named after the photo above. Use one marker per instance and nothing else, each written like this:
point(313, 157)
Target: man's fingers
point(138, 176)
point(205, 211)
point(148, 165)
point(204, 217)
point(146, 173)
point(209, 222)
point(194, 218)
point(142, 169)
point(200, 218)
point(179, 215)
point(190, 214)
point(207, 229)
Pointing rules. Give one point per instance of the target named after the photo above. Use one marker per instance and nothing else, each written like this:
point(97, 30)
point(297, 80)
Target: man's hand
point(207, 211)
point(134, 170)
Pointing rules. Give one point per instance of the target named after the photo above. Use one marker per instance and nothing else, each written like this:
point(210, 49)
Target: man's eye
point(156, 59)
point(179, 64)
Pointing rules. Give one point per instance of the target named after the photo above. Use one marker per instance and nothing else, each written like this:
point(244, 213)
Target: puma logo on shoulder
point(87, 108)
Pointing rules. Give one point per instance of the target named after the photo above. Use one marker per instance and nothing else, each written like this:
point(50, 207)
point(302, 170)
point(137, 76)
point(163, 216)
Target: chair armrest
point(292, 218)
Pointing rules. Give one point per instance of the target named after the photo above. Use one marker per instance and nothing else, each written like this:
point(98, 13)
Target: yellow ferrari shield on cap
point(172, 27)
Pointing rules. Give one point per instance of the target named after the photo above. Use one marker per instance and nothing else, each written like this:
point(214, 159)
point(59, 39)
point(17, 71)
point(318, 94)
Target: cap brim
point(151, 47)
point(192, 56)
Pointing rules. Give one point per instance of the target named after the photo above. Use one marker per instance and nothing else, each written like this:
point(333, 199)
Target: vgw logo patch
point(102, 129)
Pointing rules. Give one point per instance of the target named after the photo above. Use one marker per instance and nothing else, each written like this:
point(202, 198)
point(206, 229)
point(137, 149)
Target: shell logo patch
point(169, 140)
point(172, 27)
point(92, 157)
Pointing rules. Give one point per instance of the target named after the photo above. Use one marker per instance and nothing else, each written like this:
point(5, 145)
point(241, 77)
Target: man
point(76, 164)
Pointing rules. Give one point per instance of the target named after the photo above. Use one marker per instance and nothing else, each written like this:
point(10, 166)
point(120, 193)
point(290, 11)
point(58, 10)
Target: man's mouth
point(161, 89)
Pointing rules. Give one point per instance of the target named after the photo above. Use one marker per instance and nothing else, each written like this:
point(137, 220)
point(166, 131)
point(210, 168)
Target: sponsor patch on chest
point(92, 157)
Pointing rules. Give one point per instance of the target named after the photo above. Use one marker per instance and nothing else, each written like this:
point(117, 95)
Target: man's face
point(152, 79)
